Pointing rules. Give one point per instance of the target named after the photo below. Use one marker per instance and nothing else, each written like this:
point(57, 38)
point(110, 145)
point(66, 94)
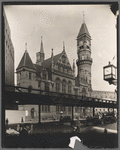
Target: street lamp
point(109, 73)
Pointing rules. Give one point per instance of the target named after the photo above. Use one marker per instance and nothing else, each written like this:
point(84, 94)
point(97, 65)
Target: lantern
point(109, 73)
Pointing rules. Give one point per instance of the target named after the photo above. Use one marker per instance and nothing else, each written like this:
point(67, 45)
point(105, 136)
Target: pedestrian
point(76, 125)
point(22, 119)
point(18, 127)
point(6, 122)
point(24, 137)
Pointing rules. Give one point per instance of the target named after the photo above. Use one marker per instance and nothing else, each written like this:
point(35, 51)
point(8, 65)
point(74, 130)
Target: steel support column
point(39, 113)
point(72, 113)
point(93, 111)
point(113, 110)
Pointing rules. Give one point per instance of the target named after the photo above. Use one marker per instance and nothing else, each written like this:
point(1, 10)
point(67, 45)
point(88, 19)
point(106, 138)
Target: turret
point(84, 61)
point(40, 56)
point(26, 71)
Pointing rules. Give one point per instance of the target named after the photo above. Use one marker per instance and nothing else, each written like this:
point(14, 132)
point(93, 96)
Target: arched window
point(83, 92)
point(81, 47)
point(69, 87)
point(57, 85)
point(44, 75)
point(82, 57)
point(64, 86)
point(46, 86)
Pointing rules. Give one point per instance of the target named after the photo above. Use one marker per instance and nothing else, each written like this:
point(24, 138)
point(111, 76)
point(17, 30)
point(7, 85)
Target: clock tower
point(84, 60)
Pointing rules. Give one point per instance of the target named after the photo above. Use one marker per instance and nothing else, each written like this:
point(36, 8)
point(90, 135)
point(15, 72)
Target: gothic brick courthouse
point(56, 74)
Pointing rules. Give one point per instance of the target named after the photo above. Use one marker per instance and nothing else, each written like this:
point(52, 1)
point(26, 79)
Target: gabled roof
point(26, 62)
point(83, 30)
point(47, 63)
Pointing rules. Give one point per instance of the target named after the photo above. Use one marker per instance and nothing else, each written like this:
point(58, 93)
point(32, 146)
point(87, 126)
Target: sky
point(58, 23)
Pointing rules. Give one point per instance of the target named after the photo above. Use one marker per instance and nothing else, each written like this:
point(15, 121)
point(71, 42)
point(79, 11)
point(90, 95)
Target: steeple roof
point(26, 62)
point(83, 30)
point(41, 48)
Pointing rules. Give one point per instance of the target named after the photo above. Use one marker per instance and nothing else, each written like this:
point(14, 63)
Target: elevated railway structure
point(25, 96)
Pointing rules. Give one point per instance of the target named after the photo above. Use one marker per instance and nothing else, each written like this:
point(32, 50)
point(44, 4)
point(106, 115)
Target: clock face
point(80, 43)
point(64, 59)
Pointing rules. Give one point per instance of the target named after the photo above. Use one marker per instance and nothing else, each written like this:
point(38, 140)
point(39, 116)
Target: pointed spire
point(26, 61)
point(52, 65)
point(41, 48)
point(83, 17)
point(83, 31)
point(63, 46)
point(25, 47)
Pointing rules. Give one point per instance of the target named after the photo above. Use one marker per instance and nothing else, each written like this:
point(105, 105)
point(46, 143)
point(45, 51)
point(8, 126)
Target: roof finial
point(52, 52)
point(63, 46)
point(25, 46)
point(83, 17)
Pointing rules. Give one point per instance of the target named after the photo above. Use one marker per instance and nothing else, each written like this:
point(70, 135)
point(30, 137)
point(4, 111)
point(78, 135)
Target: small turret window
point(81, 47)
point(29, 75)
point(82, 57)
